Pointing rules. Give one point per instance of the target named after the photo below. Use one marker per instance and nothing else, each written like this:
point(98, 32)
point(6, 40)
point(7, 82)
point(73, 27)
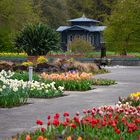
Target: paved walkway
point(23, 118)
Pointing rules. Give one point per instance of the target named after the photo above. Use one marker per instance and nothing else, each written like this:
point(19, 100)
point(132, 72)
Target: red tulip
point(72, 125)
point(56, 116)
point(56, 122)
point(67, 119)
point(103, 123)
point(49, 117)
point(39, 122)
point(130, 130)
point(42, 129)
point(49, 123)
point(76, 119)
point(66, 114)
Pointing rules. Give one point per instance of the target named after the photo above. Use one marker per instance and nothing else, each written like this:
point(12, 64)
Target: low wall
point(114, 61)
point(111, 61)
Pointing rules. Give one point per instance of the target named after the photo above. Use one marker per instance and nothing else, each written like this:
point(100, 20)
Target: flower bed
point(75, 81)
point(15, 92)
point(12, 92)
point(133, 99)
point(121, 122)
point(103, 82)
point(71, 81)
point(67, 76)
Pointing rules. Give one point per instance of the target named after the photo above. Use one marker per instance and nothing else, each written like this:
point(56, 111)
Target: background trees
point(121, 16)
point(123, 32)
point(14, 14)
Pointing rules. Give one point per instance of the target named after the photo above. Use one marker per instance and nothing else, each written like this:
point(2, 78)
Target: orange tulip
point(69, 138)
point(28, 137)
point(67, 76)
point(79, 138)
point(14, 138)
point(45, 139)
point(40, 138)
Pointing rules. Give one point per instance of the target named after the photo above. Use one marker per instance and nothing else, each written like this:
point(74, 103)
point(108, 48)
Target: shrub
point(80, 46)
point(37, 40)
point(70, 64)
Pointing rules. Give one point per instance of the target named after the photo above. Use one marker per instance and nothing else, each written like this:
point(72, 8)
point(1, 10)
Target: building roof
point(77, 27)
point(83, 19)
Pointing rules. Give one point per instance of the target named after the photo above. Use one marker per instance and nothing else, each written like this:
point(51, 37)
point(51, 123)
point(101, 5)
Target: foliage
point(123, 33)
point(23, 75)
point(80, 46)
point(73, 85)
point(104, 82)
point(54, 12)
point(92, 8)
point(106, 122)
point(37, 39)
point(42, 59)
point(14, 14)
point(133, 99)
point(101, 71)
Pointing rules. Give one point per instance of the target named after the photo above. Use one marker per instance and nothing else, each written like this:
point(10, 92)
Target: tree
point(96, 9)
point(53, 12)
point(123, 31)
point(78, 8)
point(37, 39)
point(14, 14)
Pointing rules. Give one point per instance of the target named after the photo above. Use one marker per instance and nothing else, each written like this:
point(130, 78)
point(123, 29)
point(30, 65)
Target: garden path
point(23, 118)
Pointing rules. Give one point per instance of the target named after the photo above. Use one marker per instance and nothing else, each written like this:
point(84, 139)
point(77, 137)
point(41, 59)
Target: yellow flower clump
point(67, 76)
point(42, 59)
point(137, 94)
point(13, 54)
point(27, 63)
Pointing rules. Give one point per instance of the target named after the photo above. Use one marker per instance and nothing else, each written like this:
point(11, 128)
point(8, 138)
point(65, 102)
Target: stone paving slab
point(23, 118)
